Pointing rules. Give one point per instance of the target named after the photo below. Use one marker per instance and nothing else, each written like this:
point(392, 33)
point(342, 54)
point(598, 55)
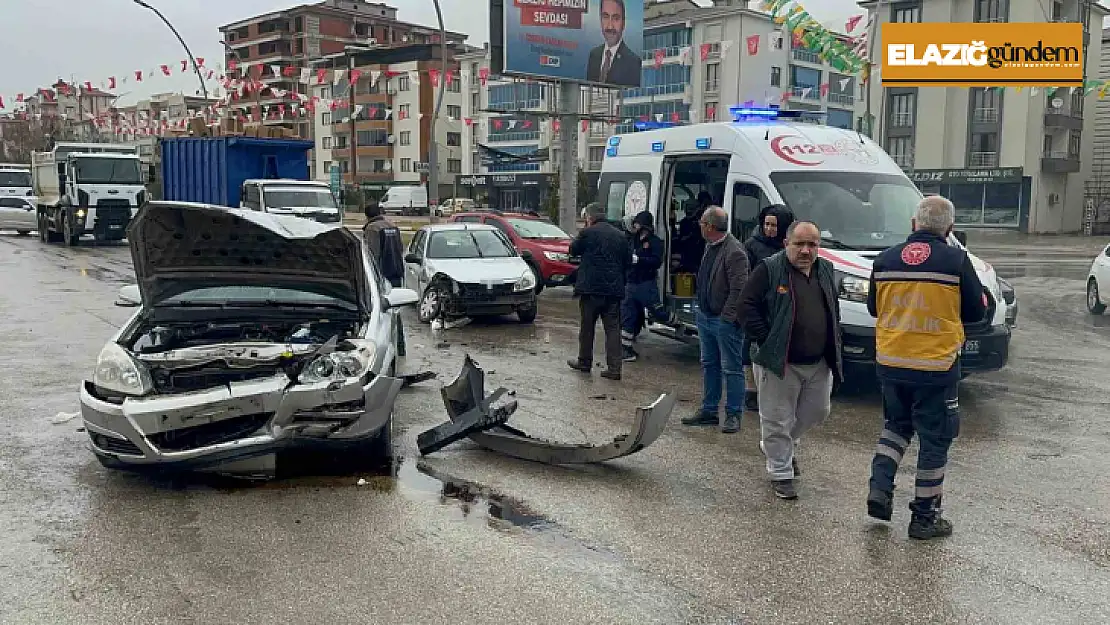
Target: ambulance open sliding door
point(744, 199)
point(623, 194)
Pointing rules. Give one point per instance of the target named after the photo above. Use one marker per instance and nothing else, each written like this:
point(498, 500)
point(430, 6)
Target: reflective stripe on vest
point(919, 325)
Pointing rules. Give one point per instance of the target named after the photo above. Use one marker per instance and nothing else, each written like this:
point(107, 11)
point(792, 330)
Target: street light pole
point(192, 59)
point(433, 152)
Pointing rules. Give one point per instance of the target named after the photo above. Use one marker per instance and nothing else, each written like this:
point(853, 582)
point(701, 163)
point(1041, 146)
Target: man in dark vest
point(792, 315)
point(922, 292)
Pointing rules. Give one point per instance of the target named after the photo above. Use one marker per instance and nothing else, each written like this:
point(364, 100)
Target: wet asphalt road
point(684, 532)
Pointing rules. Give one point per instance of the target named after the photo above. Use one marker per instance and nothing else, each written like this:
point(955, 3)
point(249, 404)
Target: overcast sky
point(43, 40)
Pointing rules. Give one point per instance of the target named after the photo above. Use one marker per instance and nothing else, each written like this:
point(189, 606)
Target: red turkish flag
point(468, 121)
point(705, 47)
point(19, 97)
point(112, 82)
point(166, 70)
point(321, 76)
point(138, 75)
point(585, 125)
point(88, 85)
point(753, 45)
point(497, 124)
point(184, 66)
point(675, 117)
point(526, 124)
point(449, 78)
point(289, 71)
point(711, 113)
point(825, 89)
point(850, 25)
point(556, 125)
point(483, 75)
point(63, 88)
point(659, 55)
point(232, 65)
point(281, 110)
point(355, 75)
point(434, 75)
point(1, 101)
point(200, 61)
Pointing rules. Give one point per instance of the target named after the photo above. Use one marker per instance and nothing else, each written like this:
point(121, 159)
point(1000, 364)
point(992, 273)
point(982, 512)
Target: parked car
point(468, 270)
point(255, 333)
point(1098, 283)
point(542, 244)
point(18, 213)
point(455, 205)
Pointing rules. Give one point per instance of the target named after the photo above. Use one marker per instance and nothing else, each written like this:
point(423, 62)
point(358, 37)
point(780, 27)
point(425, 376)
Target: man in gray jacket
point(790, 311)
point(720, 282)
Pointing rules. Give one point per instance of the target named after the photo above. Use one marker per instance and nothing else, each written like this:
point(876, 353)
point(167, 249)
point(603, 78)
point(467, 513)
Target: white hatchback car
point(18, 213)
point(1098, 283)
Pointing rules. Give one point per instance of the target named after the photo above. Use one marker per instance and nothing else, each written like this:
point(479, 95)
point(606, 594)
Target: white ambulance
point(837, 178)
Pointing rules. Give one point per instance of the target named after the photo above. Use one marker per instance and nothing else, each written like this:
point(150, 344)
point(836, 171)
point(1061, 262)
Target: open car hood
point(178, 246)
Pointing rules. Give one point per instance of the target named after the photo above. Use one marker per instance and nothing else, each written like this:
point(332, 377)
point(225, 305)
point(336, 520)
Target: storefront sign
point(966, 176)
point(506, 180)
point(473, 181)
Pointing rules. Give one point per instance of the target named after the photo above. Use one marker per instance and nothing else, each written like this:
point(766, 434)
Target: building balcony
point(1058, 117)
point(382, 151)
point(1055, 162)
point(657, 90)
point(985, 115)
point(901, 120)
point(593, 165)
point(842, 99)
point(812, 94)
point(905, 161)
point(513, 137)
point(669, 53)
point(805, 56)
point(983, 159)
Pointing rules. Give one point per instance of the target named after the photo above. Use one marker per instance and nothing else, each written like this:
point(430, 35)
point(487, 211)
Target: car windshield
point(536, 229)
point(469, 244)
point(15, 179)
point(108, 171)
point(854, 210)
point(300, 198)
point(255, 296)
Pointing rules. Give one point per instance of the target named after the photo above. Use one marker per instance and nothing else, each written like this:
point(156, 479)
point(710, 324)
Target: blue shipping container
point(211, 170)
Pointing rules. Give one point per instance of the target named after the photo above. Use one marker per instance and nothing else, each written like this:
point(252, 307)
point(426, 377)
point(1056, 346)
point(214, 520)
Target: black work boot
point(630, 354)
point(926, 522)
point(880, 505)
point(578, 365)
point(751, 401)
point(701, 417)
point(784, 489)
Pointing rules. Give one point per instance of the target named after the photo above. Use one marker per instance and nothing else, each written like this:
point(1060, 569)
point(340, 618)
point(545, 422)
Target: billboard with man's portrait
point(589, 41)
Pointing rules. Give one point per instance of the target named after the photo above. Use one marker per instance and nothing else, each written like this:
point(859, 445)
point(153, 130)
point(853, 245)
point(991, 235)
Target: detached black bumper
point(985, 349)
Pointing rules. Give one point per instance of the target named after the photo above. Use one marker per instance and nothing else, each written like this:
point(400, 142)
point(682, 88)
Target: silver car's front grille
point(197, 436)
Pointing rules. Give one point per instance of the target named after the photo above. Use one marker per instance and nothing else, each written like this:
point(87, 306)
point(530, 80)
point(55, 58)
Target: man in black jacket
point(642, 291)
point(606, 258)
point(765, 242)
point(922, 292)
point(791, 312)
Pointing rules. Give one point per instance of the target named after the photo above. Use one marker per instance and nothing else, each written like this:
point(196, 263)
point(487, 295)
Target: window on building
point(406, 137)
point(776, 76)
point(454, 111)
point(986, 105)
point(983, 149)
point(455, 86)
point(298, 24)
point(341, 142)
point(379, 166)
point(474, 70)
point(805, 77)
point(454, 166)
point(270, 47)
point(597, 154)
point(1046, 147)
point(406, 165)
point(298, 46)
point(454, 139)
point(711, 111)
point(344, 167)
point(839, 118)
point(403, 83)
point(327, 166)
point(712, 76)
point(905, 12)
point(1057, 11)
point(326, 143)
point(1075, 143)
point(405, 111)
point(991, 10)
point(377, 137)
point(475, 163)
point(902, 109)
point(901, 150)
point(475, 102)
point(327, 118)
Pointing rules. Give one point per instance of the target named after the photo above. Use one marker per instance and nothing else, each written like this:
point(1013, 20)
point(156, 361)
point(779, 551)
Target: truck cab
point(15, 180)
point(300, 198)
point(87, 189)
point(837, 178)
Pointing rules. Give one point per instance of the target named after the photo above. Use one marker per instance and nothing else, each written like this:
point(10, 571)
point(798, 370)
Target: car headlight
point(118, 372)
point(80, 213)
point(339, 365)
point(526, 282)
point(852, 288)
point(557, 256)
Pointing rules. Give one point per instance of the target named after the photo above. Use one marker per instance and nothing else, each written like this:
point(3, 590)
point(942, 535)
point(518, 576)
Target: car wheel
point(42, 228)
point(431, 304)
point(539, 278)
point(528, 315)
point(1093, 304)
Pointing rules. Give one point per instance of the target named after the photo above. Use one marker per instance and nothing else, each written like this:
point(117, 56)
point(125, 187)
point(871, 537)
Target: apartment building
point(1098, 184)
point(391, 119)
point(72, 109)
point(298, 35)
point(1006, 158)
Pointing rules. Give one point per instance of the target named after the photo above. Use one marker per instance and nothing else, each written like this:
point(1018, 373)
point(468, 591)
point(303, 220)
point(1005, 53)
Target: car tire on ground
point(431, 304)
point(1093, 304)
point(528, 315)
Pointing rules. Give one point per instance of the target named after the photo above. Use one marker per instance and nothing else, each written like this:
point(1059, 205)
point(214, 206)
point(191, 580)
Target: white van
point(837, 178)
point(301, 198)
point(15, 180)
point(405, 200)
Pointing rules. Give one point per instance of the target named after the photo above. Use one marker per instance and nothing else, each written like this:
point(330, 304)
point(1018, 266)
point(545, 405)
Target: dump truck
point(86, 188)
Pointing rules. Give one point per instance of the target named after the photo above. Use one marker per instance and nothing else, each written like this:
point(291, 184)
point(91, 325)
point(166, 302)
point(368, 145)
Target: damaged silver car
point(255, 333)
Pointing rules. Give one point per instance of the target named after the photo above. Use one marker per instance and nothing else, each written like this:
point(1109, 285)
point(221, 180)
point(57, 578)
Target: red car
point(541, 243)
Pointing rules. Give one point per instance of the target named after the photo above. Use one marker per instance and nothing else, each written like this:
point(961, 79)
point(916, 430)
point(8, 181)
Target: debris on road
point(64, 417)
point(483, 415)
point(417, 378)
point(466, 395)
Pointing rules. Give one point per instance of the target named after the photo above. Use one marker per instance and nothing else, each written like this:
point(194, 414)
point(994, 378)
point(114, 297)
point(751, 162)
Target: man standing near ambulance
point(922, 292)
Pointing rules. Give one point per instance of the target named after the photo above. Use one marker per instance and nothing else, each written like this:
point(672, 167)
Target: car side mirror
point(526, 254)
point(961, 236)
point(412, 257)
point(129, 296)
point(398, 297)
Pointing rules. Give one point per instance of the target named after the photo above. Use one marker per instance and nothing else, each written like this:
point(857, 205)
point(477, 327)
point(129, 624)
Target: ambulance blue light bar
point(611, 150)
point(703, 143)
point(658, 146)
point(752, 112)
point(614, 141)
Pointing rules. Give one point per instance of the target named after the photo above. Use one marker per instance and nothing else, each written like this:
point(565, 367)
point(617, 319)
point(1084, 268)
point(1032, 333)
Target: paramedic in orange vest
point(922, 293)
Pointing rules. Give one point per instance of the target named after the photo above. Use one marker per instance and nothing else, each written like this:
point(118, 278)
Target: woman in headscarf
point(764, 243)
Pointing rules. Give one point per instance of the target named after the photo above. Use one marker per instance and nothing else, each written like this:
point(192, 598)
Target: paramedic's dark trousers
point(637, 298)
point(607, 309)
point(931, 412)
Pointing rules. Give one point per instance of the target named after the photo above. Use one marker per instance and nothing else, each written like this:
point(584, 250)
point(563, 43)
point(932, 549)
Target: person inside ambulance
point(922, 293)
point(690, 243)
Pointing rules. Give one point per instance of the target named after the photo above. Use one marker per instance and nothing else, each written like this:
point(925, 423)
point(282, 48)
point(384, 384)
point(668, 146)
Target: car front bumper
point(984, 350)
point(557, 273)
point(494, 305)
point(239, 421)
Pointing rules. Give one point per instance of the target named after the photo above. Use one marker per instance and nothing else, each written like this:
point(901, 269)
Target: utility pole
point(569, 101)
point(871, 34)
point(351, 111)
point(433, 152)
